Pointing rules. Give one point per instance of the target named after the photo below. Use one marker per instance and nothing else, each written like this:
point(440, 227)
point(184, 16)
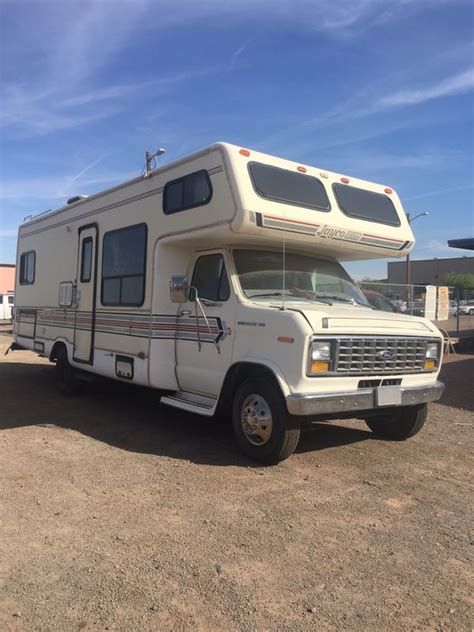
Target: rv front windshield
point(306, 278)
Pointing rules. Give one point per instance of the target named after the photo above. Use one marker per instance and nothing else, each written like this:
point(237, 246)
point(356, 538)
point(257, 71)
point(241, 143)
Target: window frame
point(397, 224)
point(312, 207)
point(86, 240)
point(23, 257)
point(182, 179)
point(121, 276)
point(218, 299)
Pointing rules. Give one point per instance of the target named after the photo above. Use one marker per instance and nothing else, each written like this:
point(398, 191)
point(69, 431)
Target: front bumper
point(355, 401)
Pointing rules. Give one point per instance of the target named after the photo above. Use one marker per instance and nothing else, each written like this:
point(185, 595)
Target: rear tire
point(400, 424)
point(263, 428)
point(66, 376)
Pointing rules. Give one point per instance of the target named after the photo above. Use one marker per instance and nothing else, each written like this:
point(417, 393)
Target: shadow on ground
point(131, 418)
point(458, 377)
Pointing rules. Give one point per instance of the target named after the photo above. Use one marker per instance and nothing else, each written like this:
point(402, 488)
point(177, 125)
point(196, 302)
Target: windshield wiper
point(306, 295)
point(267, 294)
point(339, 298)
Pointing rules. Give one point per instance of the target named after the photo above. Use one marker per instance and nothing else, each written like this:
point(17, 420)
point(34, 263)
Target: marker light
point(301, 169)
point(345, 180)
point(244, 152)
point(319, 367)
point(388, 190)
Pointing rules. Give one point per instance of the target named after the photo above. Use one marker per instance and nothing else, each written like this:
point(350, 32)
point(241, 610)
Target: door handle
point(185, 312)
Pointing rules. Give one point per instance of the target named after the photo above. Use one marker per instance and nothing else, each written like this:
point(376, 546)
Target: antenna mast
point(152, 158)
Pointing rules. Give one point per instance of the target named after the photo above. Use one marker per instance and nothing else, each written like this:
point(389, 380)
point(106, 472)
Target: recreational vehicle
point(6, 306)
point(217, 279)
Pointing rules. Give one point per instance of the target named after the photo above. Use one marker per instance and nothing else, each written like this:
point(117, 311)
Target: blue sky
point(378, 90)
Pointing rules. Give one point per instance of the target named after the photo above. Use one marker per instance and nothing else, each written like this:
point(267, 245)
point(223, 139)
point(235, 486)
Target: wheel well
point(237, 374)
point(56, 349)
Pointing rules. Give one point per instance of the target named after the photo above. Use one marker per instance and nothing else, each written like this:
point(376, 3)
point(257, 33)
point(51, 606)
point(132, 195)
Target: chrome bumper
point(355, 401)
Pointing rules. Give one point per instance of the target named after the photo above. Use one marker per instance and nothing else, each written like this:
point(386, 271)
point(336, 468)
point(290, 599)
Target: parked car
point(467, 308)
point(417, 308)
point(379, 301)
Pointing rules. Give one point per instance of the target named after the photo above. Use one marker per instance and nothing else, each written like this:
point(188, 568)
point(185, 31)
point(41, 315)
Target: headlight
point(431, 356)
point(320, 356)
point(432, 351)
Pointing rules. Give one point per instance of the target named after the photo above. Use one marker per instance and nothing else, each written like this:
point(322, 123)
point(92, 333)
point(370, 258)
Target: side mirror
point(179, 289)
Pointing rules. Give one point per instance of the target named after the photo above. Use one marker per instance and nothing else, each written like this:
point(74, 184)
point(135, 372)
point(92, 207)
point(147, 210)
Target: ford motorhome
point(217, 280)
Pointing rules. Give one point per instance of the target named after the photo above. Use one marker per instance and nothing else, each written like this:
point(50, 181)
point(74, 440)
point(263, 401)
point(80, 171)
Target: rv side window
point(123, 266)
point(210, 278)
point(11, 300)
point(1, 299)
point(363, 204)
point(188, 192)
point(289, 187)
point(86, 260)
point(27, 267)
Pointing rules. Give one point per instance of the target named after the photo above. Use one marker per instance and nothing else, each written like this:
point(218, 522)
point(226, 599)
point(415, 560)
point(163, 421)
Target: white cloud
point(58, 187)
point(440, 192)
point(459, 83)
point(8, 233)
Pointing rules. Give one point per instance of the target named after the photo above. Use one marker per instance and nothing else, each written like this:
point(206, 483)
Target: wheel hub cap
point(256, 420)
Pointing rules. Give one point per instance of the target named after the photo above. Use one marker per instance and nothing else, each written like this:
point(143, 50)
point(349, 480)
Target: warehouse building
point(428, 271)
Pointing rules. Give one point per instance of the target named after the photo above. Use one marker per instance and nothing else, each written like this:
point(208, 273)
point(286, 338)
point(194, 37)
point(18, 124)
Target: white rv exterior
point(93, 295)
point(7, 301)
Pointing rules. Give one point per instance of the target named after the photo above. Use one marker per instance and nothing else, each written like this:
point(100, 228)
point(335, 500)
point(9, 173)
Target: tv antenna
point(151, 161)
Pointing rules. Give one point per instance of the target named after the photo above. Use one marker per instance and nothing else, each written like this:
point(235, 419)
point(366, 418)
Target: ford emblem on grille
point(386, 354)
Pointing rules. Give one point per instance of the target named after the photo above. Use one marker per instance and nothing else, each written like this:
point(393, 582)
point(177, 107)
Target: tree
point(462, 281)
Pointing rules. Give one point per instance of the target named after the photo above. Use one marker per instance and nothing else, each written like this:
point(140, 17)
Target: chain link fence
point(438, 304)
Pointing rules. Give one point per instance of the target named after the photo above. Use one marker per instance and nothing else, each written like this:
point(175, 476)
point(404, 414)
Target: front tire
point(66, 376)
point(264, 429)
point(400, 424)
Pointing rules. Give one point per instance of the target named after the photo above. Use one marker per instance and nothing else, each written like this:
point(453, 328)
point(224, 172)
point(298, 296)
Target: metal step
point(192, 402)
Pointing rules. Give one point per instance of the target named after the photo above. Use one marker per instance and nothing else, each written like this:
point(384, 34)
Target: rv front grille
point(380, 355)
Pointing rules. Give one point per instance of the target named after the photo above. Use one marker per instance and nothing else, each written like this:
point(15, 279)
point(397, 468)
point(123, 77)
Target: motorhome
point(217, 279)
point(6, 306)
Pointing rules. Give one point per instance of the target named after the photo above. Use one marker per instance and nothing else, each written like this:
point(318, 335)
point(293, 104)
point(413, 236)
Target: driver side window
point(210, 278)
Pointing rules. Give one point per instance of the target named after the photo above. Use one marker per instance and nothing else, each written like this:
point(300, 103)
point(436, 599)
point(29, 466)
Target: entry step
point(193, 402)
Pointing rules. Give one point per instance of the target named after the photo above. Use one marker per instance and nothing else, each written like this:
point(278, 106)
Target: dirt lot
point(120, 514)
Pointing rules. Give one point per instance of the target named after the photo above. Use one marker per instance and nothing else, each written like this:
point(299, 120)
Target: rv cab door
point(204, 345)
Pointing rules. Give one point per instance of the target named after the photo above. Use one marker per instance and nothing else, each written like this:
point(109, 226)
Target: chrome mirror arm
point(198, 303)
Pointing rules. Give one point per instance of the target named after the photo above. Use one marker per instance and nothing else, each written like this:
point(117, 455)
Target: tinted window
point(86, 260)
point(288, 186)
point(210, 278)
point(11, 300)
point(192, 190)
point(27, 267)
point(374, 207)
point(1, 299)
point(123, 266)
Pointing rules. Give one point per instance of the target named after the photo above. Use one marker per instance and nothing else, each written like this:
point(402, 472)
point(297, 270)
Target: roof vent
point(76, 198)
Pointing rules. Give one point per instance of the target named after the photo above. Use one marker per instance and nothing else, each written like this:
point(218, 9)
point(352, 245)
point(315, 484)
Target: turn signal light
point(430, 364)
point(319, 367)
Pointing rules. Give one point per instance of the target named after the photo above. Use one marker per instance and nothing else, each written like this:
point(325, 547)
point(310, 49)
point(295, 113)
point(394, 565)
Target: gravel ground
point(120, 514)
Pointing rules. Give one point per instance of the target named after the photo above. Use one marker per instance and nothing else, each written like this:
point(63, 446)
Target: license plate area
point(388, 396)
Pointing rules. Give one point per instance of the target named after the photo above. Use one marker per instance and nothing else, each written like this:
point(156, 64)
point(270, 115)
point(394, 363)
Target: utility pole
point(408, 258)
point(408, 271)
